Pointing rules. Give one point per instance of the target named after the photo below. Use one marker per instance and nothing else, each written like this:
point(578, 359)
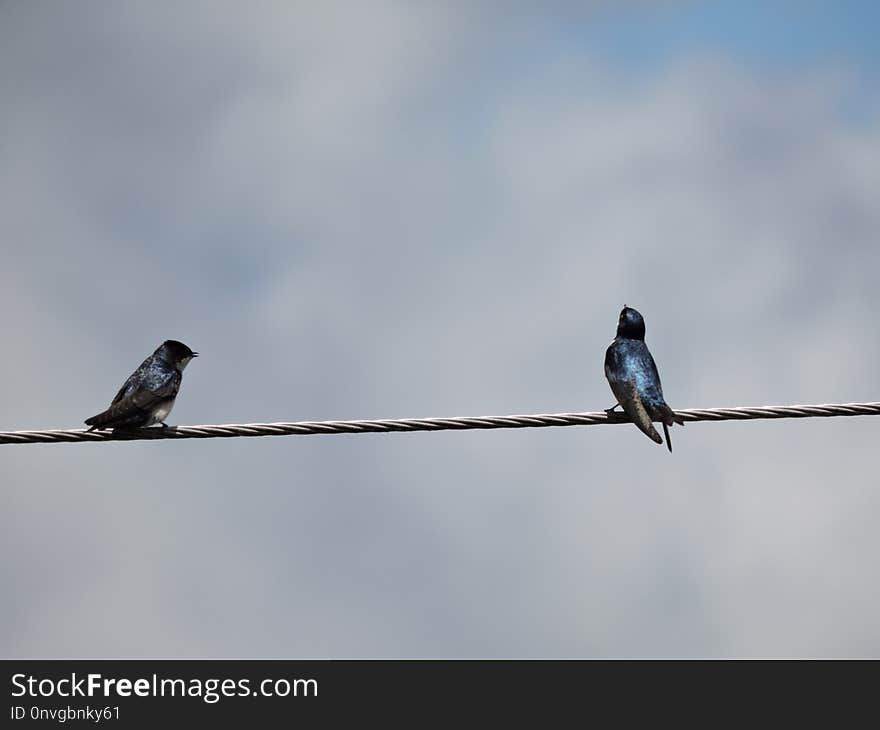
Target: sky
point(388, 209)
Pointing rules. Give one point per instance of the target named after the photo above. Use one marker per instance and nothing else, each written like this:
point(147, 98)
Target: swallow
point(634, 380)
point(148, 395)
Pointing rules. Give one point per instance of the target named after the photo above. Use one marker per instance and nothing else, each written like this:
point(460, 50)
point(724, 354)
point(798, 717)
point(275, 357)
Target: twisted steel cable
point(540, 420)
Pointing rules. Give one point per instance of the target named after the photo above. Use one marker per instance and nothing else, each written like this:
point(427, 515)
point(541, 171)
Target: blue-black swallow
point(148, 395)
point(634, 379)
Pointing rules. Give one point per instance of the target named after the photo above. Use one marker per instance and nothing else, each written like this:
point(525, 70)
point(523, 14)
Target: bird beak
point(195, 354)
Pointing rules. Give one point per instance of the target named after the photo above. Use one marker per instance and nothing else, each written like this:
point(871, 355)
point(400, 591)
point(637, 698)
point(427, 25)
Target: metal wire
point(541, 420)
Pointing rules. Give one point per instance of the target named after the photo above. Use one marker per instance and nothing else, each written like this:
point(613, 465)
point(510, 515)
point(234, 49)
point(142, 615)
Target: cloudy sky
point(388, 209)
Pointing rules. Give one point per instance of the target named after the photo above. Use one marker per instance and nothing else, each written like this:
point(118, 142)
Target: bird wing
point(667, 415)
point(627, 392)
point(126, 388)
point(135, 400)
point(628, 396)
point(651, 366)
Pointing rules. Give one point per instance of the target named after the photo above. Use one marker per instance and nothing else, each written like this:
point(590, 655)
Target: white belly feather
point(161, 412)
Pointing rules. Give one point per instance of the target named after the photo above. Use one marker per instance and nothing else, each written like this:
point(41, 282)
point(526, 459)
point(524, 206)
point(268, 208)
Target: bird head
point(630, 324)
point(176, 353)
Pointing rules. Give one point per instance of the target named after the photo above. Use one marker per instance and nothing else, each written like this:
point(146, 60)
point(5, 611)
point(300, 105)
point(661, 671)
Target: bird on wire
point(148, 395)
point(634, 380)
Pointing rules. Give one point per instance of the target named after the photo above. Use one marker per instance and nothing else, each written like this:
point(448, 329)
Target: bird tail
point(670, 417)
point(113, 417)
point(99, 421)
point(668, 440)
